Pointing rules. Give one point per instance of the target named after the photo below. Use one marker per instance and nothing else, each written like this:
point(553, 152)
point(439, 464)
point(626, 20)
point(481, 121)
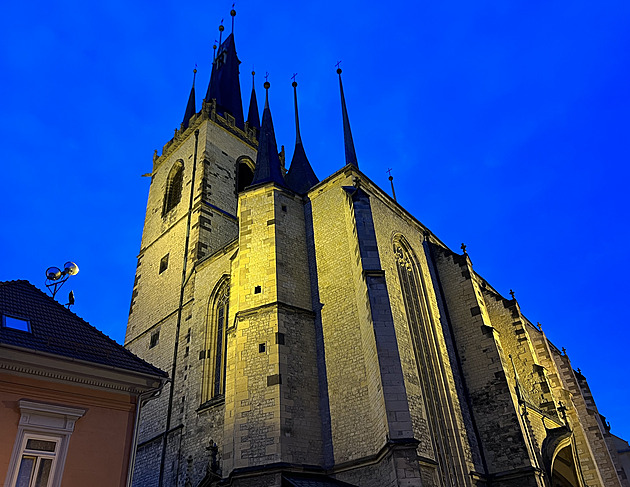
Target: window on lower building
point(41, 446)
point(16, 323)
point(37, 461)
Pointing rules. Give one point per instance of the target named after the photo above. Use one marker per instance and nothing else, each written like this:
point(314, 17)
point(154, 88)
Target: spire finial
point(214, 50)
point(266, 86)
point(512, 293)
point(298, 138)
point(221, 29)
point(253, 118)
point(391, 180)
point(233, 14)
point(191, 107)
point(351, 155)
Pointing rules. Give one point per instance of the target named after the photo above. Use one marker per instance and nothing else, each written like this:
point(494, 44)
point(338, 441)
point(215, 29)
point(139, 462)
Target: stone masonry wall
point(356, 431)
point(484, 367)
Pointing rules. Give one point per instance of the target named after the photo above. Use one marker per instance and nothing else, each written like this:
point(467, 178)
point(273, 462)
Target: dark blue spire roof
point(301, 176)
point(224, 85)
point(191, 108)
point(267, 160)
point(253, 118)
point(351, 155)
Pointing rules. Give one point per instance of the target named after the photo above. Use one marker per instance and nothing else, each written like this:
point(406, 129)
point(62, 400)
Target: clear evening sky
point(505, 124)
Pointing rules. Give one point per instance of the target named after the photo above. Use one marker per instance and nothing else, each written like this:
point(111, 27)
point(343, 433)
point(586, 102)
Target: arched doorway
point(563, 471)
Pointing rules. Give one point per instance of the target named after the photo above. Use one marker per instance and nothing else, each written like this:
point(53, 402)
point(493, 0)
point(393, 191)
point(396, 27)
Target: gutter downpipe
point(142, 399)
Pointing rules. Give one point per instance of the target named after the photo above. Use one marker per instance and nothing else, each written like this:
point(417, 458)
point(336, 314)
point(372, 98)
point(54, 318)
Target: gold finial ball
point(253, 73)
point(233, 13)
point(267, 85)
point(221, 28)
point(338, 70)
point(294, 84)
point(214, 47)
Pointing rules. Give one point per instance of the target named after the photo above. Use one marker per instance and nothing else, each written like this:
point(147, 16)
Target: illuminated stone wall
point(324, 373)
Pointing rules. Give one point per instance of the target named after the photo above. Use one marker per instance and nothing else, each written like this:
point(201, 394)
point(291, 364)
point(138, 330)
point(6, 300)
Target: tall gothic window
point(174, 184)
point(426, 353)
point(215, 345)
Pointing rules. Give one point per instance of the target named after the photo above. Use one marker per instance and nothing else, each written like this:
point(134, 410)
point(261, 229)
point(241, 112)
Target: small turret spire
point(301, 176)
point(224, 84)
point(253, 118)
point(267, 160)
point(351, 156)
point(191, 108)
point(233, 14)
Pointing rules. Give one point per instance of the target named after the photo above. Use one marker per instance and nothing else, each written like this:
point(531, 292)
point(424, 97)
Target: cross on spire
point(512, 294)
point(463, 247)
point(293, 77)
point(337, 65)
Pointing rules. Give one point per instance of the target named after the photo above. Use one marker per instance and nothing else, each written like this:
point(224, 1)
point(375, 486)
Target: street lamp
point(55, 278)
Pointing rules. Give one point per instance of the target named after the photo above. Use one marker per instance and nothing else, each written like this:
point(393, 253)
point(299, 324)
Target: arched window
point(424, 347)
point(244, 173)
point(174, 184)
point(216, 343)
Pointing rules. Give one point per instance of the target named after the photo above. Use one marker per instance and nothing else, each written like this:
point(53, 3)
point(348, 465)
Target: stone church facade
point(316, 333)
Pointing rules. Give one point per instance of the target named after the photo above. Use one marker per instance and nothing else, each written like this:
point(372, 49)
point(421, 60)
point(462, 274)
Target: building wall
point(98, 452)
point(323, 367)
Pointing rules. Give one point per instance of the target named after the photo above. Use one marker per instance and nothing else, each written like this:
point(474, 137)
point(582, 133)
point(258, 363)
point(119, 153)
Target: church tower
point(315, 333)
point(191, 214)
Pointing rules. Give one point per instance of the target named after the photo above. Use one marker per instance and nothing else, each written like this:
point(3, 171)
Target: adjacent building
point(69, 396)
point(318, 334)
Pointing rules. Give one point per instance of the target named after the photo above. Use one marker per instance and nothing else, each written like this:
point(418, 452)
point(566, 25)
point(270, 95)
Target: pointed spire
point(267, 160)
point(191, 108)
point(301, 176)
point(253, 118)
point(351, 156)
point(224, 85)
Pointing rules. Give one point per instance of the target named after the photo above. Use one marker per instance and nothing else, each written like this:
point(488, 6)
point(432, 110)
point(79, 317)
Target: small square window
point(261, 348)
point(16, 323)
point(164, 263)
point(257, 290)
point(155, 338)
point(284, 208)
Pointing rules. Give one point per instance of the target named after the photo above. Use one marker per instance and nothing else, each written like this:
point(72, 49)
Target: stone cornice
point(45, 366)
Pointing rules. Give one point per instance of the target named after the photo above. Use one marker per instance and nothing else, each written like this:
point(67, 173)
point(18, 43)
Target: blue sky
point(505, 125)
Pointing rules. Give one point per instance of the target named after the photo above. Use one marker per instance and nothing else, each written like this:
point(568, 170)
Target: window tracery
point(174, 185)
point(425, 351)
point(216, 342)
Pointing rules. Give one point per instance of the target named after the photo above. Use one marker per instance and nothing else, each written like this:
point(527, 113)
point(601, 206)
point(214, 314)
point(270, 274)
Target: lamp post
point(55, 278)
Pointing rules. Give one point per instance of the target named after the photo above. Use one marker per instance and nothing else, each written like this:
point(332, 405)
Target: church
point(317, 334)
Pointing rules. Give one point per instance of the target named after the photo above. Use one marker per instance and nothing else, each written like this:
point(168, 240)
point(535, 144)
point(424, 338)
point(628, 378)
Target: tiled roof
point(57, 330)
